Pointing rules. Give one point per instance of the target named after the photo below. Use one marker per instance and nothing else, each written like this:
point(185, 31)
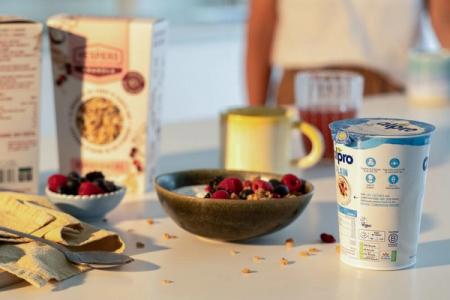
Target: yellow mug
point(259, 139)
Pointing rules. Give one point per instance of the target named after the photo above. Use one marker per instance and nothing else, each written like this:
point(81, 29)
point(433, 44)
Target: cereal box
point(20, 56)
point(107, 75)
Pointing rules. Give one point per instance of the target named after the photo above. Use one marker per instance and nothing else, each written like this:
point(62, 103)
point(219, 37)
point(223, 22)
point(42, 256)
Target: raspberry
point(261, 184)
point(247, 184)
point(327, 238)
point(220, 194)
point(56, 181)
point(231, 185)
point(293, 183)
point(88, 188)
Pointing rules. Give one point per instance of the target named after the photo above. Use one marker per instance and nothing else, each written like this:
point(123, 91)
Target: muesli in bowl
point(230, 209)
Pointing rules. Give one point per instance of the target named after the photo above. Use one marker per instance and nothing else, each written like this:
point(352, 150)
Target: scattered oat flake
point(167, 236)
point(166, 281)
point(284, 261)
point(304, 253)
point(140, 245)
point(130, 230)
point(246, 271)
point(258, 258)
point(338, 248)
point(234, 252)
point(150, 221)
point(289, 243)
point(313, 250)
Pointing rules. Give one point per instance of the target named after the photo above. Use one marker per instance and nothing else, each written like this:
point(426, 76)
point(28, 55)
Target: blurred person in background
point(369, 37)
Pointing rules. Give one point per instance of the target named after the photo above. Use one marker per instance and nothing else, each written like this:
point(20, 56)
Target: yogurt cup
point(381, 166)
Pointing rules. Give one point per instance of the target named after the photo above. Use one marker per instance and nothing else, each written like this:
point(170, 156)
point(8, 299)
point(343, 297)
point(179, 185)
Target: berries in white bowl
point(93, 183)
point(88, 198)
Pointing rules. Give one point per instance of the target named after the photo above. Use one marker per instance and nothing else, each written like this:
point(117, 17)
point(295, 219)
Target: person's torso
point(372, 33)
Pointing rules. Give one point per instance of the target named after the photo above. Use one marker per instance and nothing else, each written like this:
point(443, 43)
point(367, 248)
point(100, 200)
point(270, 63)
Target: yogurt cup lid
point(382, 127)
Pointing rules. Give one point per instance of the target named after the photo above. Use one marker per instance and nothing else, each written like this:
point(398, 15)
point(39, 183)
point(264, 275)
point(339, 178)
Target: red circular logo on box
point(133, 82)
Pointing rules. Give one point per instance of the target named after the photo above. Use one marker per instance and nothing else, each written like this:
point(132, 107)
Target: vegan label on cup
point(380, 185)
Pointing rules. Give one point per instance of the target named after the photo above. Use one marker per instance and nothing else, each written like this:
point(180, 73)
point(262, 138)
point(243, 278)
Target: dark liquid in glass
point(321, 117)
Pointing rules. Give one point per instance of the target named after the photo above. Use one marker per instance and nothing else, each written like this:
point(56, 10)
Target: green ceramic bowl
point(226, 220)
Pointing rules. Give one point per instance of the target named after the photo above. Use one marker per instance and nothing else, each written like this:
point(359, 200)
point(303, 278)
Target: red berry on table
point(259, 184)
point(231, 185)
point(220, 194)
point(89, 188)
point(327, 238)
point(55, 182)
point(293, 183)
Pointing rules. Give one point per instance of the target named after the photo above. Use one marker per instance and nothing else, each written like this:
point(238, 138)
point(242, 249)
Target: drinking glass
point(326, 96)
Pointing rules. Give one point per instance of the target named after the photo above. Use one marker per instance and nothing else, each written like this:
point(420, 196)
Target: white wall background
point(204, 75)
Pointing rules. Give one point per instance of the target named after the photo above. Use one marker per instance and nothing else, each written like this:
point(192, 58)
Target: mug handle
point(318, 145)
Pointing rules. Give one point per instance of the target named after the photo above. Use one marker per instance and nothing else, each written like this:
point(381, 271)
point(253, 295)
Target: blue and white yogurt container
point(381, 165)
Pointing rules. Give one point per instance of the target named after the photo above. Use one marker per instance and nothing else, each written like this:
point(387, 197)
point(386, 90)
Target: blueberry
point(74, 176)
point(213, 183)
point(95, 175)
point(281, 190)
point(73, 183)
point(245, 193)
point(274, 182)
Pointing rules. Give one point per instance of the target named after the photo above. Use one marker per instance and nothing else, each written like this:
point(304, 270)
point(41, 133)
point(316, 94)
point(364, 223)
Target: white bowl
point(87, 208)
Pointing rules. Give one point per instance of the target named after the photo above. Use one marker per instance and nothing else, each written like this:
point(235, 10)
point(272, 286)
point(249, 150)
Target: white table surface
point(205, 270)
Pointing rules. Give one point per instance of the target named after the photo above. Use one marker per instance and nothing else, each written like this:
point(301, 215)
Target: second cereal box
point(107, 75)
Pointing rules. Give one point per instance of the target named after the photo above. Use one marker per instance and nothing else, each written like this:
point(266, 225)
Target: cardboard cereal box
point(20, 66)
point(107, 75)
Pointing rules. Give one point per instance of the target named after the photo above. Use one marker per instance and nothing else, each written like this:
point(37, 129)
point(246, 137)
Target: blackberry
point(245, 193)
point(106, 186)
point(215, 182)
point(66, 190)
point(281, 190)
point(208, 195)
point(95, 175)
point(303, 188)
point(274, 182)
